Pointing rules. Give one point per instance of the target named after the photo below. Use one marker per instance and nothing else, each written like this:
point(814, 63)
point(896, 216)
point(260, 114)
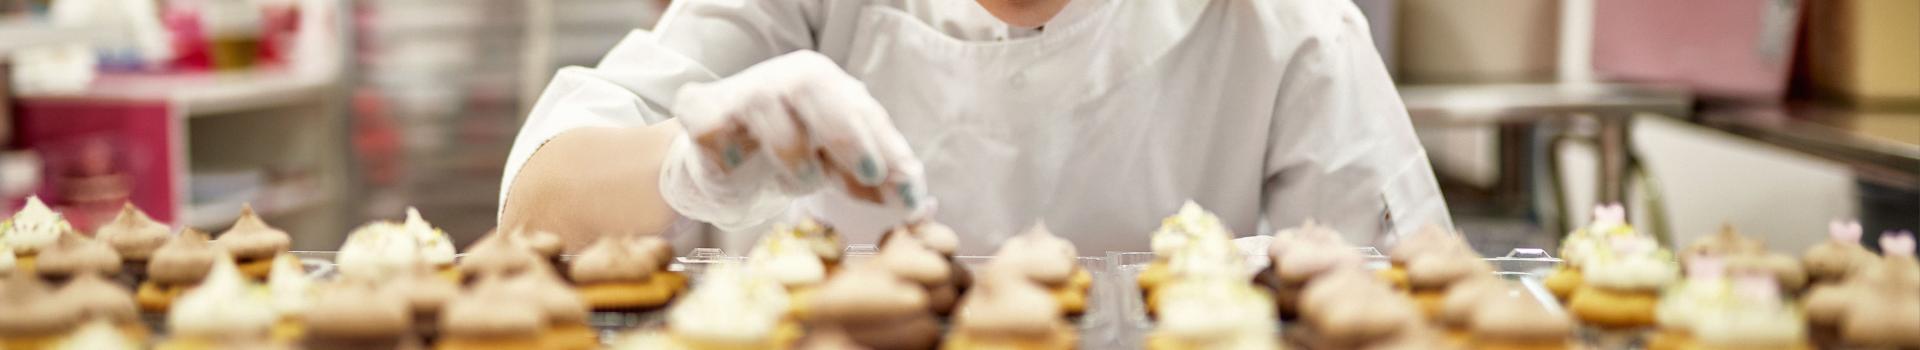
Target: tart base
point(1563, 282)
point(154, 297)
point(1613, 309)
point(570, 337)
point(649, 294)
point(255, 268)
point(35, 342)
point(1064, 339)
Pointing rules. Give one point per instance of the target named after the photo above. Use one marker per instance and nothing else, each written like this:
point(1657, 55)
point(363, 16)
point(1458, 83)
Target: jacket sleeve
point(1341, 150)
point(635, 84)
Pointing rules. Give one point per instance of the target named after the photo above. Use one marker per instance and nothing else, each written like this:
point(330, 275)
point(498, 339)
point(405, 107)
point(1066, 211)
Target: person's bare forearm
point(590, 182)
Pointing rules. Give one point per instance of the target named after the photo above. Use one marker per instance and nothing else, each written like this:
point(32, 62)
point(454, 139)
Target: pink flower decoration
point(1702, 267)
point(1844, 231)
point(1896, 243)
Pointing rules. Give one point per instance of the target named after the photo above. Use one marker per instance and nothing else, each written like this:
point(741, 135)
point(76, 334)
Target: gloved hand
point(780, 129)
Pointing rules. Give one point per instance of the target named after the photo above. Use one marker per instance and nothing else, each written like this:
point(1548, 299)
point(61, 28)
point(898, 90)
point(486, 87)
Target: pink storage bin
point(1731, 49)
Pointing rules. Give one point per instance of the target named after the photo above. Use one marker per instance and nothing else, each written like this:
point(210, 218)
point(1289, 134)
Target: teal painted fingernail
point(906, 195)
point(733, 155)
point(868, 170)
point(810, 172)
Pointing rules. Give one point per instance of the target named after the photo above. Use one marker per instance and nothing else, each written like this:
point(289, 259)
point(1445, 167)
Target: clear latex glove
point(778, 130)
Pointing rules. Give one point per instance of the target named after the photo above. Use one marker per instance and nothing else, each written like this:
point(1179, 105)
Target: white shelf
point(17, 34)
point(204, 94)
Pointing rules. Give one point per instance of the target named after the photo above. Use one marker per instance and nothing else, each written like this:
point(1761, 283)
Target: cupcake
point(498, 255)
point(1202, 259)
point(378, 251)
point(1351, 309)
point(1051, 262)
point(1010, 312)
point(178, 265)
point(102, 300)
point(1299, 255)
point(1739, 249)
point(546, 244)
point(1608, 221)
point(876, 309)
point(224, 312)
point(614, 274)
point(427, 292)
point(74, 255)
point(825, 242)
point(940, 239)
point(292, 296)
point(1623, 280)
point(357, 314)
point(1463, 302)
point(1519, 323)
point(491, 317)
point(253, 244)
point(135, 236)
point(1214, 314)
point(1831, 261)
point(1428, 240)
point(34, 318)
point(436, 249)
point(732, 311)
point(1192, 230)
point(788, 258)
point(1429, 276)
point(33, 229)
point(1878, 306)
point(100, 335)
point(566, 326)
point(910, 260)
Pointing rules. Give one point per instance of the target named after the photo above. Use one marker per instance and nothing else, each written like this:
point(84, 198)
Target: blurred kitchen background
point(1772, 116)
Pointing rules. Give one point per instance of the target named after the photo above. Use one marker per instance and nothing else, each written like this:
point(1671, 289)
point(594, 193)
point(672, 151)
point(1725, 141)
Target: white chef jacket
point(1099, 124)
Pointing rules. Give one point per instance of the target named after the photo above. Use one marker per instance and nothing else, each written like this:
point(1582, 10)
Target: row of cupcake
point(1437, 293)
point(797, 290)
point(1727, 290)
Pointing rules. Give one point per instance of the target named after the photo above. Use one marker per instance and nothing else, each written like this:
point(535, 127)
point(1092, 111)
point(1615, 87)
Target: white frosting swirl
point(1630, 273)
point(787, 259)
point(1217, 313)
point(34, 228)
point(6, 260)
point(1682, 305)
point(378, 251)
point(223, 307)
point(98, 335)
point(434, 245)
point(1180, 230)
point(1742, 327)
point(729, 308)
point(290, 286)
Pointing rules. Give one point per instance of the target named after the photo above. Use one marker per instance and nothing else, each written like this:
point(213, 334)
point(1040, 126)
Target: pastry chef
point(1096, 117)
